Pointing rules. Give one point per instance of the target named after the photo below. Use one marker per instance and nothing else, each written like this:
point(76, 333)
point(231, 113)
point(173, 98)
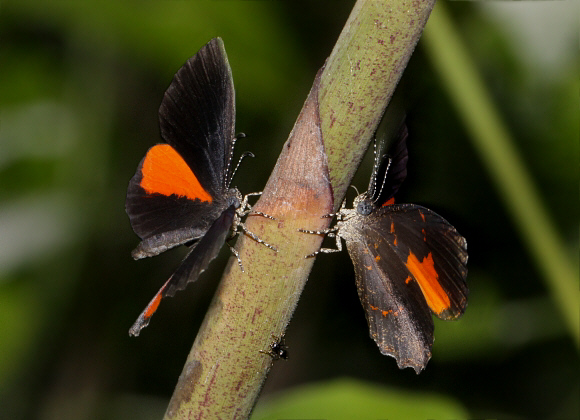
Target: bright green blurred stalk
point(495, 146)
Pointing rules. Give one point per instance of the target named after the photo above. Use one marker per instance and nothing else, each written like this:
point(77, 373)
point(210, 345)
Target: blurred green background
point(80, 85)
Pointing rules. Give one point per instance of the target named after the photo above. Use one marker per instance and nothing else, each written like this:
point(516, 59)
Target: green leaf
point(350, 399)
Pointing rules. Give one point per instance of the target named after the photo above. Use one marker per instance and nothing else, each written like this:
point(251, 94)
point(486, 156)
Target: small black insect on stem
point(278, 349)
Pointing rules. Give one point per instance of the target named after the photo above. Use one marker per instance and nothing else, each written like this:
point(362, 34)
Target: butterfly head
point(363, 204)
point(234, 198)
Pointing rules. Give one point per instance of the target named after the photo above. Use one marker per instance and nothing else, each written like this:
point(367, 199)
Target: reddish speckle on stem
point(207, 397)
point(381, 41)
point(257, 312)
point(392, 38)
point(332, 120)
point(239, 385)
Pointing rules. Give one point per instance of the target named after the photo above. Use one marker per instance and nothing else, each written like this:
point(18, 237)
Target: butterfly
point(409, 262)
point(180, 193)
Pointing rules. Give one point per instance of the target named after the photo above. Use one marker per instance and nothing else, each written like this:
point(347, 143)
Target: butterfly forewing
point(434, 254)
point(153, 213)
point(197, 115)
point(179, 188)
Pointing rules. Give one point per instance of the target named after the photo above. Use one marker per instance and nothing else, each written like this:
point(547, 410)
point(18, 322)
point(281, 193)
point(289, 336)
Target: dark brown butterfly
point(181, 191)
point(409, 262)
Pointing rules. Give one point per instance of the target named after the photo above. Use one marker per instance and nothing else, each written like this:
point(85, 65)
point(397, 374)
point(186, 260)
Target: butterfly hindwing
point(196, 261)
point(398, 319)
point(205, 250)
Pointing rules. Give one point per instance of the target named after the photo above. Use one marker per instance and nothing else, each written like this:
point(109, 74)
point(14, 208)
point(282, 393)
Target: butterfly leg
point(256, 237)
point(331, 233)
point(331, 215)
point(259, 213)
point(246, 209)
point(245, 206)
point(237, 225)
point(236, 253)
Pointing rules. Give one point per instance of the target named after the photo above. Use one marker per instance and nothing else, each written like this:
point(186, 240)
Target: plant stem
point(225, 369)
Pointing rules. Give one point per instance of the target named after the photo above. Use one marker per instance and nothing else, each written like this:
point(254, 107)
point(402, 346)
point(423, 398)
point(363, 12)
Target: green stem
point(225, 369)
point(495, 145)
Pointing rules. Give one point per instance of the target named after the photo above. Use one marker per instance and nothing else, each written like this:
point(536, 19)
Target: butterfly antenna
point(356, 189)
point(384, 180)
point(228, 180)
point(373, 183)
point(240, 161)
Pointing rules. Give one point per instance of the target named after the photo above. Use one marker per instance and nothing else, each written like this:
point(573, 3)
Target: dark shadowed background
point(80, 86)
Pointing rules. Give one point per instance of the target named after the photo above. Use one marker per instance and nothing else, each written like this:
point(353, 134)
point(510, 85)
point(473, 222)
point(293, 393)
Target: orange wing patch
point(428, 280)
point(165, 172)
point(389, 202)
point(152, 307)
point(383, 312)
point(393, 232)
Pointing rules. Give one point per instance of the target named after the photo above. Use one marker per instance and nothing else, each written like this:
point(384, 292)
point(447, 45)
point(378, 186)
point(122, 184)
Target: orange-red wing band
point(146, 315)
point(165, 172)
point(153, 305)
point(389, 202)
point(426, 276)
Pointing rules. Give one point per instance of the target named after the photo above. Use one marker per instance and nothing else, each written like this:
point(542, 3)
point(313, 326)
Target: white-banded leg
point(256, 237)
point(338, 215)
point(238, 224)
point(259, 213)
point(245, 206)
point(236, 253)
point(246, 209)
point(331, 233)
